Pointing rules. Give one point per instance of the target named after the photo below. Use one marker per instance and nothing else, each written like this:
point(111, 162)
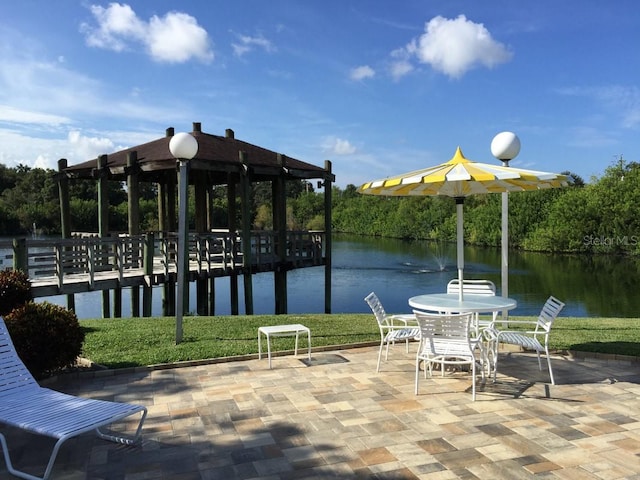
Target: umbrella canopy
point(459, 178)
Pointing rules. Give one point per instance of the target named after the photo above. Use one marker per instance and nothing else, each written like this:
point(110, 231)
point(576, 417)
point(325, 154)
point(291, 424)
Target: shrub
point(15, 290)
point(47, 337)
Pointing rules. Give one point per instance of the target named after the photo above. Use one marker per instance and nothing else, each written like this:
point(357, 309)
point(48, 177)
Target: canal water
point(591, 286)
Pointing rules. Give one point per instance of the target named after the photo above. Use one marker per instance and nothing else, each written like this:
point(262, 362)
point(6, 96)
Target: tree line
point(601, 216)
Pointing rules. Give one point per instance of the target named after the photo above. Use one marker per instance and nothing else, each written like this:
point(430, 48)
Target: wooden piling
point(133, 210)
point(279, 196)
point(65, 214)
point(103, 218)
point(245, 205)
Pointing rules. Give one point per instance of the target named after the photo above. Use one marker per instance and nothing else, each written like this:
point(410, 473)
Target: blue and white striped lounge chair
point(26, 405)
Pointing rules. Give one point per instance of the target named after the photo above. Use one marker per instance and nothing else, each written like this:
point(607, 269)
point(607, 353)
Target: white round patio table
point(451, 303)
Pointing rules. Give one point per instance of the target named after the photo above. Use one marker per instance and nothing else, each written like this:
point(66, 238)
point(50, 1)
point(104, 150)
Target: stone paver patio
point(336, 418)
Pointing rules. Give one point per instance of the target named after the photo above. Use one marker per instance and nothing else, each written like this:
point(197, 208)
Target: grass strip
point(129, 342)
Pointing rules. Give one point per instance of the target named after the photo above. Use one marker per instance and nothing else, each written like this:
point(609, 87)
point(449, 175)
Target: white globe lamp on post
point(183, 147)
point(505, 146)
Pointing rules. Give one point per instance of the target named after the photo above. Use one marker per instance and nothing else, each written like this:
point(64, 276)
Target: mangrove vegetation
point(598, 216)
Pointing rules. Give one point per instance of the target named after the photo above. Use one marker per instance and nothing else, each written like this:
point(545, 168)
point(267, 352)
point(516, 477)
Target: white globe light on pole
point(183, 147)
point(505, 146)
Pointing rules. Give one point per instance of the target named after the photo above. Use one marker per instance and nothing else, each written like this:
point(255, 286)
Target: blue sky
point(377, 87)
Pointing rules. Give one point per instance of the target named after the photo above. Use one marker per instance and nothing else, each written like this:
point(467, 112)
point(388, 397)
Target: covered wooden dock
point(87, 263)
point(237, 248)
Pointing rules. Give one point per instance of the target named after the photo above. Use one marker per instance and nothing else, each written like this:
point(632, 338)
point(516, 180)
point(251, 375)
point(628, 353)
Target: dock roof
point(217, 157)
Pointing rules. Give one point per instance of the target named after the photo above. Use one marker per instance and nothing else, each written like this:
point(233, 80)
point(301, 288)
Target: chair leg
point(123, 438)
point(494, 348)
point(380, 355)
point(473, 380)
point(418, 373)
point(553, 382)
point(483, 363)
point(25, 475)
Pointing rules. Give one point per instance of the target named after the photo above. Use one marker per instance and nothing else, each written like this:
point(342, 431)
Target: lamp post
point(183, 147)
point(505, 146)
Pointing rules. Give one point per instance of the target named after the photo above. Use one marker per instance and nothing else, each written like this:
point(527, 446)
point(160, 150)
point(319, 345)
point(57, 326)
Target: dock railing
point(87, 260)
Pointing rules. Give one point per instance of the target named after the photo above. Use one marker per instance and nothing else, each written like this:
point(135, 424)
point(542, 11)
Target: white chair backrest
point(13, 374)
point(473, 287)
point(549, 313)
point(442, 333)
point(377, 309)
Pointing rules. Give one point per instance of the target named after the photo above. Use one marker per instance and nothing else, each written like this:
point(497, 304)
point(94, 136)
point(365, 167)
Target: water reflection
point(590, 285)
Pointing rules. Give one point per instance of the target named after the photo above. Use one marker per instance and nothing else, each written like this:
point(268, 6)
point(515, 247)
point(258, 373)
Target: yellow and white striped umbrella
point(459, 178)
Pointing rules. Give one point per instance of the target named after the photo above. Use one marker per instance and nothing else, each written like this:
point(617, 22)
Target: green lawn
point(126, 342)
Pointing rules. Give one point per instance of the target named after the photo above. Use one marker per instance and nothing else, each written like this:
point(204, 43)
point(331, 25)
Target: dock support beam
point(133, 211)
point(65, 215)
point(245, 196)
point(327, 238)
point(279, 199)
point(147, 288)
point(202, 286)
point(103, 218)
point(233, 228)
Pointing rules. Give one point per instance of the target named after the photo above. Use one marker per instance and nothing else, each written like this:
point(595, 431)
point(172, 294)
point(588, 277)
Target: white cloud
point(32, 91)
point(400, 65)
point(361, 73)
point(338, 146)
point(175, 38)
point(116, 24)
point(14, 115)
point(632, 117)
point(247, 44)
point(45, 162)
point(33, 149)
point(623, 100)
point(89, 147)
point(590, 137)
point(44, 106)
point(452, 47)
point(400, 68)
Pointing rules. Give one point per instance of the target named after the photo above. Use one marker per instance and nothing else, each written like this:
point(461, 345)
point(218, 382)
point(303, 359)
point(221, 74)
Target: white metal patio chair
point(475, 287)
point(445, 339)
point(26, 405)
point(534, 339)
point(393, 328)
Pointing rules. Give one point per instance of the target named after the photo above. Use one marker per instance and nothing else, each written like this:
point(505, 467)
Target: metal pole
point(505, 244)
point(460, 242)
point(505, 248)
point(182, 246)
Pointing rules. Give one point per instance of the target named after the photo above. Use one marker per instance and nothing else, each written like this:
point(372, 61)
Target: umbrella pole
point(460, 242)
